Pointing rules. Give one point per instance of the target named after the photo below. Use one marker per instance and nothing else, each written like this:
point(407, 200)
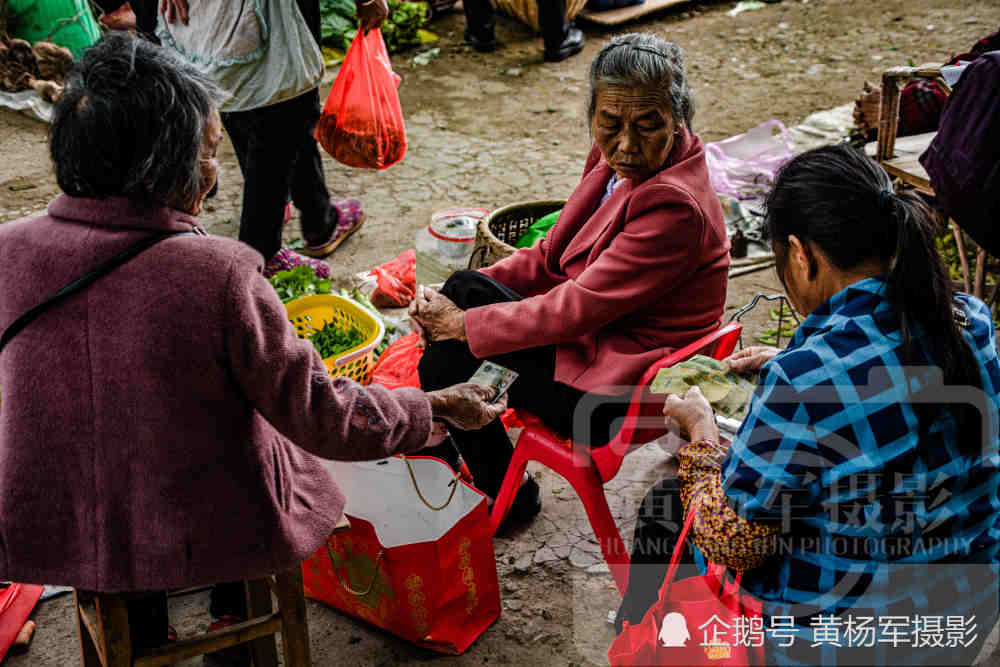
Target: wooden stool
point(105, 640)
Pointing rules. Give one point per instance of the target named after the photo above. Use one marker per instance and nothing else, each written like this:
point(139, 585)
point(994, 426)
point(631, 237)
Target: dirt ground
point(489, 130)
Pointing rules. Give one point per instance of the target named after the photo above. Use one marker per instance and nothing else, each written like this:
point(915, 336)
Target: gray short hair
point(642, 60)
point(130, 123)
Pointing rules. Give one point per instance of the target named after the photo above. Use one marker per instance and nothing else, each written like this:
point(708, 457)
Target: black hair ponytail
point(842, 201)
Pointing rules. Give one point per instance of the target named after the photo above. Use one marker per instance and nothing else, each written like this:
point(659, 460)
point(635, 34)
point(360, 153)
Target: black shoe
point(571, 45)
point(482, 44)
point(526, 506)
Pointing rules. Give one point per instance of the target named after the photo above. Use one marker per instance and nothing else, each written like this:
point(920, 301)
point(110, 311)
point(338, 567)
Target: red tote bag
point(703, 620)
point(418, 559)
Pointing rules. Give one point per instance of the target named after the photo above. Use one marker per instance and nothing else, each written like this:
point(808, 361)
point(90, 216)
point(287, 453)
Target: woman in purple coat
point(164, 426)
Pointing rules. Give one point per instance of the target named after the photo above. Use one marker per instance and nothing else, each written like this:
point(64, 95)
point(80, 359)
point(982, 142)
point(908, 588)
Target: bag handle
point(413, 478)
point(347, 587)
point(675, 560)
point(85, 281)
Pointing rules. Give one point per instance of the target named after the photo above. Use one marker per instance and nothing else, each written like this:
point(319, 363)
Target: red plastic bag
point(362, 122)
point(397, 367)
point(397, 281)
point(686, 625)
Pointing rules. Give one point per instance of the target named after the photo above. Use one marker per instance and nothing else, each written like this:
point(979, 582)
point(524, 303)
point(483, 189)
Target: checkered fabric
point(920, 106)
point(845, 447)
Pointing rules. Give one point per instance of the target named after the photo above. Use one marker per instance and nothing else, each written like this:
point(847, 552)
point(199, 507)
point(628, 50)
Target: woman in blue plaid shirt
point(860, 496)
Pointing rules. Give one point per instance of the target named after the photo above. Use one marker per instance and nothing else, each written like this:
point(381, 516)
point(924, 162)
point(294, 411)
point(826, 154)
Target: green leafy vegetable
point(358, 297)
point(333, 339)
point(400, 30)
point(300, 281)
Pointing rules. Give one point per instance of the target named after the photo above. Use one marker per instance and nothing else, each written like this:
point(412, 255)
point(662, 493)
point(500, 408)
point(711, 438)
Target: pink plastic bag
point(745, 166)
point(362, 121)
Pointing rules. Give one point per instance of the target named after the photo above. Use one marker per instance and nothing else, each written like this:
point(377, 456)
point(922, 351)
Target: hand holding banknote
point(467, 406)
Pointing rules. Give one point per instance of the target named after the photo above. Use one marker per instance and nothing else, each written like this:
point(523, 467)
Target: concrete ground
point(489, 130)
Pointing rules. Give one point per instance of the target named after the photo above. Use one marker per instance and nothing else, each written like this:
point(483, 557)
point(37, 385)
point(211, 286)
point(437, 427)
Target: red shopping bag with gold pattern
point(702, 620)
point(418, 559)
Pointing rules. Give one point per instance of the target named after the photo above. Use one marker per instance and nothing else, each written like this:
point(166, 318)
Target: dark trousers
point(488, 451)
point(661, 516)
point(147, 616)
point(278, 157)
point(480, 20)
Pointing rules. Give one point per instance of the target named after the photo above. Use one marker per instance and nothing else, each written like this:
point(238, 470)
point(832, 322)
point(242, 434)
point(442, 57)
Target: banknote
point(494, 376)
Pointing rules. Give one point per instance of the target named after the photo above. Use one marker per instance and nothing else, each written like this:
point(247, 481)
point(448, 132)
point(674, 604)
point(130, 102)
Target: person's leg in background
point(324, 226)
point(480, 25)
point(147, 620)
point(146, 12)
point(228, 606)
point(661, 516)
point(562, 38)
point(267, 142)
point(266, 162)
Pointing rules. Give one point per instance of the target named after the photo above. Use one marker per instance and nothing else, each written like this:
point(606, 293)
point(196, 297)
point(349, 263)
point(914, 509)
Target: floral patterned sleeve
point(721, 534)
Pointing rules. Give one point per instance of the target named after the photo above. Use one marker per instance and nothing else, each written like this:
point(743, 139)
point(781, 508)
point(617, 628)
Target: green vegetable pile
point(400, 30)
point(333, 339)
point(300, 281)
point(358, 297)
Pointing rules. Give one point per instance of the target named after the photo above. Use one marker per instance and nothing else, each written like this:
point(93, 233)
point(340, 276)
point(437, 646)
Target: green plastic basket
point(68, 23)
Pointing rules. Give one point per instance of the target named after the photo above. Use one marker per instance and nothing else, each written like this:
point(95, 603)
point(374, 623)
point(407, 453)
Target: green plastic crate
point(68, 23)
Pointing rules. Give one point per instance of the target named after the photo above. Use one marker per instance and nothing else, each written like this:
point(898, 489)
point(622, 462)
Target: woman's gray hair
point(130, 123)
point(644, 61)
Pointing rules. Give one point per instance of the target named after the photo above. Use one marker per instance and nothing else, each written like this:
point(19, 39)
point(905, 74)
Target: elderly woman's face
point(634, 130)
point(208, 163)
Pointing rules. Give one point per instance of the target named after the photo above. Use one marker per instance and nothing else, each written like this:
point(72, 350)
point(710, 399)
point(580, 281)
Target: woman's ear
point(801, 259)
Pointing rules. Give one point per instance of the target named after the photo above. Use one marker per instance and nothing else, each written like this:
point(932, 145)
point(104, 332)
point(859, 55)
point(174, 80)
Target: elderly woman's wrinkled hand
point(436, 317)
point(466, 406)
point(692, 414)
point(751, 359)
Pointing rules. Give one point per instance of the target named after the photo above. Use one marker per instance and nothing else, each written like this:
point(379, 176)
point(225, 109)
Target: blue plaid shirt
point(876, 518)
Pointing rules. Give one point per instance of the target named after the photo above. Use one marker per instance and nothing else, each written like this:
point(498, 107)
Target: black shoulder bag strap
point(85, 281)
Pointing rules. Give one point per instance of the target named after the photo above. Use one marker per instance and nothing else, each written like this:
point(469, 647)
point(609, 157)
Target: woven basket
point(526, 11)
point(309, 314)
point(499, 231)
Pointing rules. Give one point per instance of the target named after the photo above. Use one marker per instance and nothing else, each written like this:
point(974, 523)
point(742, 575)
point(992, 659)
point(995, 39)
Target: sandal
point(349, 215)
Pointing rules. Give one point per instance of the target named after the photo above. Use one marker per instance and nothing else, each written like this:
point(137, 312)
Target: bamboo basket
point(526, 11)
point(499, 231)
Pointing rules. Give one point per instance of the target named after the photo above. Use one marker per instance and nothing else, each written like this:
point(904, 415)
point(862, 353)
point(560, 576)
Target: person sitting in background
point(864, 481)
point(561, 37)
point(635, 267)
point(920, 102)
point(165, 427)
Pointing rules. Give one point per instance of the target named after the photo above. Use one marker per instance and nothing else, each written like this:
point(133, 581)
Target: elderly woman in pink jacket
point(635, 267)
point(163, 426)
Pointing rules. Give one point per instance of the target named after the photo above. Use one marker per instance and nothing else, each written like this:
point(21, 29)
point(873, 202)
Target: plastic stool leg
point(509, 488)
point(591, 492)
